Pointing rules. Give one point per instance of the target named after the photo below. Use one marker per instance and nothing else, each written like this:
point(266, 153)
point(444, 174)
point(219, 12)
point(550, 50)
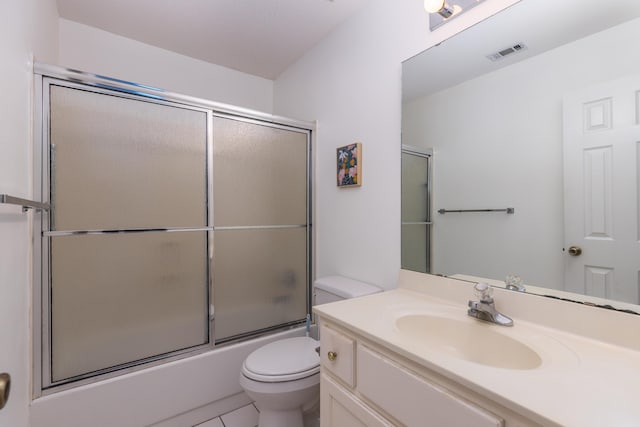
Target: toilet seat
point(284, 360)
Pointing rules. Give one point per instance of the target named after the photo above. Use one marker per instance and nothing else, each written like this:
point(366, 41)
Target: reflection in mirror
point(536, 108)
point(416, 209)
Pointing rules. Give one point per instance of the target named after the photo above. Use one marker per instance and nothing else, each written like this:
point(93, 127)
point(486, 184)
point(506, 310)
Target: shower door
point(416, 210)
point(173, 227)
point(127, 238)
point(261, 223)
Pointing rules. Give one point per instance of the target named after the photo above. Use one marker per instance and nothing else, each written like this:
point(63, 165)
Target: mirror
point(537, 109)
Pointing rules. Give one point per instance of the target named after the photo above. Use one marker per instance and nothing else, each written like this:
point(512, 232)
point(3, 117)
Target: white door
point(601, 157)
point(14, 332)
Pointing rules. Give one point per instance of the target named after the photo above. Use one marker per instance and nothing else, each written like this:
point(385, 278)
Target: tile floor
point(247, 416)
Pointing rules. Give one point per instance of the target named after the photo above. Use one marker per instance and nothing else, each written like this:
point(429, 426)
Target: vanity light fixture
point(441, 11)
point(438, 6)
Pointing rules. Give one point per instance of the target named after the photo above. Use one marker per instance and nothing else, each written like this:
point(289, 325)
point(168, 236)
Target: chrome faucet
point(484, 309)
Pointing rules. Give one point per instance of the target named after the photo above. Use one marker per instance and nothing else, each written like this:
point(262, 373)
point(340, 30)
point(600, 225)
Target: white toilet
point(283, 377)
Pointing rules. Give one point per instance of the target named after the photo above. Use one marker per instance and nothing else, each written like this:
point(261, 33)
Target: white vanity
point(413, 357)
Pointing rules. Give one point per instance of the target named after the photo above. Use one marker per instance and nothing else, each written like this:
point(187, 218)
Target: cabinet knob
point(5, 386)
point(332, 355)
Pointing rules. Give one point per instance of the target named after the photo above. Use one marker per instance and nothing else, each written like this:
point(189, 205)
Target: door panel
point(119, 163)
point(260, 279)
point(261, 230)
point(121, 298)
point(260, 174)
point(601, 140)
point(598, 192)
point(126, 256)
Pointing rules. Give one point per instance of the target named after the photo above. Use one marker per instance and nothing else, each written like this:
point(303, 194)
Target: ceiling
point(258, 37)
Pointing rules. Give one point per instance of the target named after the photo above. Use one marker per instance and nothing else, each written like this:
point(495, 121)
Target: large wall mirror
point(537, 109)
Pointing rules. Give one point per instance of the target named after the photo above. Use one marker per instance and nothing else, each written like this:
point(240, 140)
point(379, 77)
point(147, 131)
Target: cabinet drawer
point(413, 400)
point(337, 354)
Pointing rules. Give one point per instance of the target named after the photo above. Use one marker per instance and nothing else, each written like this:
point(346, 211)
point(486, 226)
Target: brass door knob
point(575, 250)
point(5, 387)
point(332, 355)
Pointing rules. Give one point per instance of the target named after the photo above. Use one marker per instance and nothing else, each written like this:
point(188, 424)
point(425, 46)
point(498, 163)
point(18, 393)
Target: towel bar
point(26, 204)
point(507, 210)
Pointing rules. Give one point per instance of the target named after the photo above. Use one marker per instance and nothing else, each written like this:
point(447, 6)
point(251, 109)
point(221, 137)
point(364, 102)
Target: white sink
point(468, 339)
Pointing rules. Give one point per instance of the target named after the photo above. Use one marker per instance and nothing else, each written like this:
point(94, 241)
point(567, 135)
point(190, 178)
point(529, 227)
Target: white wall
point(96, 51)
point(498, 143)
point(351, 83)
point(26, 27)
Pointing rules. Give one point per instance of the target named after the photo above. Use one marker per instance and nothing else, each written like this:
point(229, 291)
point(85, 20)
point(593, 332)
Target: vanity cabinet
point(366, 384)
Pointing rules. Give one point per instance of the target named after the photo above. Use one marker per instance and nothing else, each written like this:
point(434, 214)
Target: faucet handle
point(514, 283)
point(483, 292)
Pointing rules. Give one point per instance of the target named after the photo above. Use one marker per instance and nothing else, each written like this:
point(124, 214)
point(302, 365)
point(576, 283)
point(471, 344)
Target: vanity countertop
point(582, 380)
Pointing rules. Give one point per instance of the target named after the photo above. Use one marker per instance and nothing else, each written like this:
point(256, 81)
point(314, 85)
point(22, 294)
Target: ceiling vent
point(506, 52)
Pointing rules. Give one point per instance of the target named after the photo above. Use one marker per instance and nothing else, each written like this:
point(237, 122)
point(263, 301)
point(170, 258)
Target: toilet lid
point(284, 360)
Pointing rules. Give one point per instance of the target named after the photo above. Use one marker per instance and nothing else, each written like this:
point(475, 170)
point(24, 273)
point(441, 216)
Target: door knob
point(5, 386)
point(575, 250)
point(332, 355)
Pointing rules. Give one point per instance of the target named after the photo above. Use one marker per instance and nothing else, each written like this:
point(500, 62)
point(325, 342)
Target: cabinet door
point(342, 350)
point(339, 408)
point(412, 399)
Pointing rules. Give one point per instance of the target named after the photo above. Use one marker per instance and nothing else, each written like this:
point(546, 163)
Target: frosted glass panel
point(415, 238)
point(260, 174)
point(415, 247)
point(121, 163)
point(121, 298)
point(260, 279)
point(414, 188)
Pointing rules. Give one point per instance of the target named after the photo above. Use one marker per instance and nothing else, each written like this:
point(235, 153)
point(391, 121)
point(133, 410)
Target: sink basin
point(468, 339)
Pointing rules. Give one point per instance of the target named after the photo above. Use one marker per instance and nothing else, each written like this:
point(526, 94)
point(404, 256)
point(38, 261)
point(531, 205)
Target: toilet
point(283, 377)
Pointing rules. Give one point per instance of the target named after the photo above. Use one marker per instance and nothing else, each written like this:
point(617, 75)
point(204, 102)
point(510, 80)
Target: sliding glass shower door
point(127, 232)
point(261, 226)
point(173, 227)
point(416, 210)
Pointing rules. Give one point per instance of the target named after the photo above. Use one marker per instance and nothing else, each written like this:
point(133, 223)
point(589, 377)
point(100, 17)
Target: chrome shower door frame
point(428, 155)
point(45, 75)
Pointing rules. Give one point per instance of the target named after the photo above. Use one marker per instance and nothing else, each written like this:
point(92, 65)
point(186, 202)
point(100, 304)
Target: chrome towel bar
point(26, 204)
point(507, 210)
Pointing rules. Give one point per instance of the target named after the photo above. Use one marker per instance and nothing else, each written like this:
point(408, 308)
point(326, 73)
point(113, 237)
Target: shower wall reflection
point(416, 210)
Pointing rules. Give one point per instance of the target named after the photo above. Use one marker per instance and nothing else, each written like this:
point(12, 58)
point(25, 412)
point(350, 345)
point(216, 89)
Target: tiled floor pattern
point(247, 416)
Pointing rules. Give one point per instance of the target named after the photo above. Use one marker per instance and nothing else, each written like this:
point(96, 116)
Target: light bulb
point(433, 6)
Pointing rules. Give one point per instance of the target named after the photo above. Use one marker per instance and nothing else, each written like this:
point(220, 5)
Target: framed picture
point(349, 162)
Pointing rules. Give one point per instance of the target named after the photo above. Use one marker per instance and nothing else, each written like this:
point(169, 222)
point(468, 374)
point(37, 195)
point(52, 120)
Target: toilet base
point(283, 404)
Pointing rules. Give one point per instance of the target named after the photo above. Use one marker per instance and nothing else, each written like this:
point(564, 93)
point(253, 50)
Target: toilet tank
point(336, 288)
